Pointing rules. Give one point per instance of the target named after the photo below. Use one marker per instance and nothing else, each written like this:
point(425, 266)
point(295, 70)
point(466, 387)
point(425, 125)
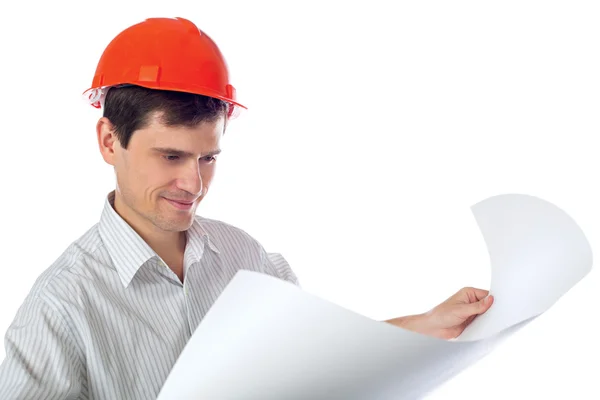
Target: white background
point(372, 128)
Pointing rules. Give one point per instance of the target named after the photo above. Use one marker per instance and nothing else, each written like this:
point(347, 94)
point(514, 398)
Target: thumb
point(478, 307)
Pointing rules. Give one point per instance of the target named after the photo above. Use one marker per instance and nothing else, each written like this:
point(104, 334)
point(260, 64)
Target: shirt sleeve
point(42, 360)
point(282, 268)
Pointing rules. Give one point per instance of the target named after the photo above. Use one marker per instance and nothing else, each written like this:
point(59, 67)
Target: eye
point(171, 158)
point(209, 158)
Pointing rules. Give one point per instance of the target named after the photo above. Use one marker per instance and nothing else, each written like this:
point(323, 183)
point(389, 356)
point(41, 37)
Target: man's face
point(166, 171)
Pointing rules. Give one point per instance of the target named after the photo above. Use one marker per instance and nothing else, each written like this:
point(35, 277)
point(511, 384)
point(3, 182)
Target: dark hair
point(129, 108)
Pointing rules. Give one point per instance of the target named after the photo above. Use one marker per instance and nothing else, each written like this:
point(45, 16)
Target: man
point(110, 317)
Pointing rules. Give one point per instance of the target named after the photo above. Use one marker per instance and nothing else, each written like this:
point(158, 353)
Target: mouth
point(180, 205)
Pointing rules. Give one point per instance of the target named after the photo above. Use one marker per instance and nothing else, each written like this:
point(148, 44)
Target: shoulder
point(238, 240)
point(71, 270)
point(282, 268)
point(226, 233)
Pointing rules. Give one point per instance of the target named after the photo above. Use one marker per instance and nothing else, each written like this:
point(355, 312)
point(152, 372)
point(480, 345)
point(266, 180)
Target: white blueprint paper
point(268, 339)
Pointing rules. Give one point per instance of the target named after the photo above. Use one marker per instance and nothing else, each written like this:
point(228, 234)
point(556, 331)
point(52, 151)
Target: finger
point(465, 324)
point(476, 294)
point(468, 321)
point(480, 293)
point(478, 307)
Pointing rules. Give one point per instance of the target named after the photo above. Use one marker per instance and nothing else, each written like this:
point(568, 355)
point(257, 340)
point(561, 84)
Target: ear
point(107, 140)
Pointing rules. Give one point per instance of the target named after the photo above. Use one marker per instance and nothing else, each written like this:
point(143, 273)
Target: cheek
point(207, 174)
point(147, 176)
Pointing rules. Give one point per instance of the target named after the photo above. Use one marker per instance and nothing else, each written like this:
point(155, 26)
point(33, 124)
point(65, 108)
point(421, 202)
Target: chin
point(173, 222)
point(171, 225)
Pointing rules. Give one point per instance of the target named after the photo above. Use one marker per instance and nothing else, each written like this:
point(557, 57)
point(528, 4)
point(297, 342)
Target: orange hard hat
point(167, 54)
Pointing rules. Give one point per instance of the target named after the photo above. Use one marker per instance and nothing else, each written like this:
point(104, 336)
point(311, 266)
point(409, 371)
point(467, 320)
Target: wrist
point(416, 323)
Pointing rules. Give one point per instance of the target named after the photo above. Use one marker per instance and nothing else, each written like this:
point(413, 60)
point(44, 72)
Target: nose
point(190, 179)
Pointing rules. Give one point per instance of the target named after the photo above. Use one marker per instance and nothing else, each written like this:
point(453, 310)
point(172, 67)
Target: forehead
point(156, 133)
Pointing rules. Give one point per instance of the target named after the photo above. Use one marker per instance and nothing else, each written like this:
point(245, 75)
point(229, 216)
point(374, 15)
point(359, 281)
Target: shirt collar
point(129, 252)
point(197, 237)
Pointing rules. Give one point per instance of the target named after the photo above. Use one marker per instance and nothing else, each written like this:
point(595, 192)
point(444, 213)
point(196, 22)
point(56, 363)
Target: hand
point(449, 319)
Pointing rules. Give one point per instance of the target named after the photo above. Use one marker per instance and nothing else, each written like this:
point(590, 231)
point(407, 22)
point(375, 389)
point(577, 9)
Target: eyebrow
point(182, 153)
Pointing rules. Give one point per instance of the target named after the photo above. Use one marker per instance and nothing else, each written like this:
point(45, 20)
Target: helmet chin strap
point(96, 96)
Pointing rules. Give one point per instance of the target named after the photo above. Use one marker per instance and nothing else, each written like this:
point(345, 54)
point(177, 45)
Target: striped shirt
point(108, 319)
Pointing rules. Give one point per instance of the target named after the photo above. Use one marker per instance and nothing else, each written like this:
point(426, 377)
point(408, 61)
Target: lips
point(187, 203)
point(180, 205)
